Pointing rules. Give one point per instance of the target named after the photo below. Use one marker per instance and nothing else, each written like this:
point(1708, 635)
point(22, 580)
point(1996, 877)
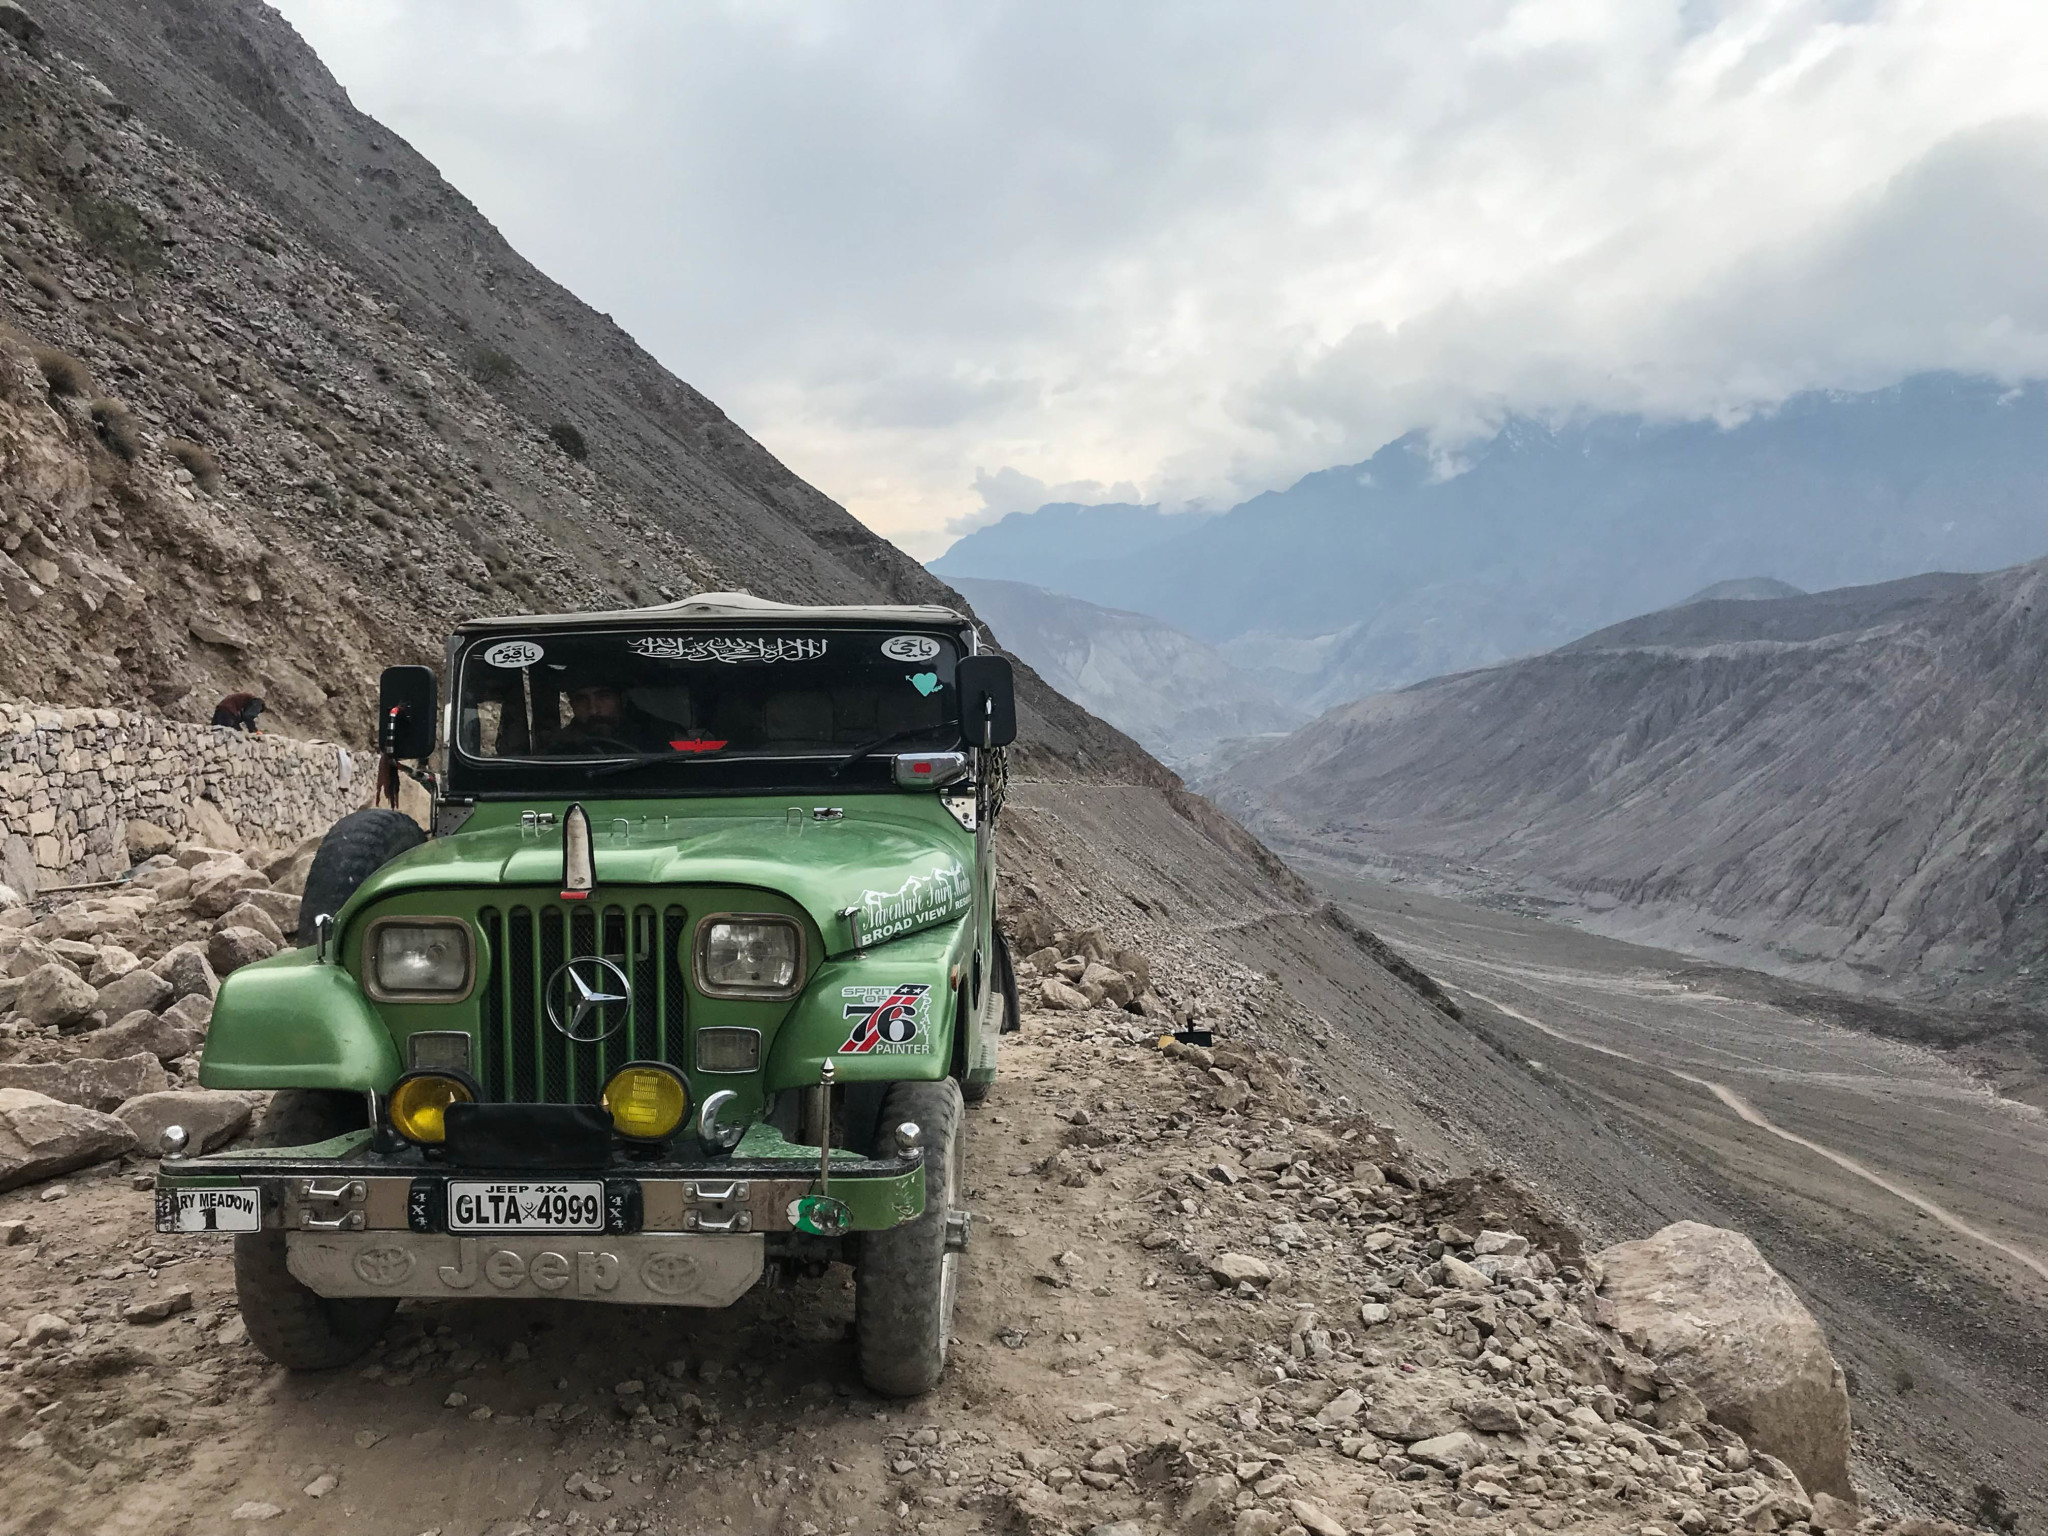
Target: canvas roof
point(729, 607)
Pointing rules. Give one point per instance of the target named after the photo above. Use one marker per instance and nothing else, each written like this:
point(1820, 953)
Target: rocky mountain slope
point(279, 405)
point(1848, 783)
point(1419, 562)
point(1161, 686)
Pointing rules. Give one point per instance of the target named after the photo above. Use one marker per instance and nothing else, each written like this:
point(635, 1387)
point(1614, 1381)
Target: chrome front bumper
point(639, 1269)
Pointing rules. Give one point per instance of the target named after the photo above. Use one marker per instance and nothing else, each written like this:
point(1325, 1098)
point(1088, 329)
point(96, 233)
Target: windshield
point(705, 694)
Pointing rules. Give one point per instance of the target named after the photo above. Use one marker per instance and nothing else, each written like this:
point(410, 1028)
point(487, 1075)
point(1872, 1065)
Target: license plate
point(573, 1207)
point(212, 1210)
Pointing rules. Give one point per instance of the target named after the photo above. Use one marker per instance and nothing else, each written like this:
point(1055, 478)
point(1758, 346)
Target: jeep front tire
point(907, 1277)
point(293, 1325)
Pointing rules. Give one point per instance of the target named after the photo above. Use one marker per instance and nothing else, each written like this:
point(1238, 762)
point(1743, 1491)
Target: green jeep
point(692, 979)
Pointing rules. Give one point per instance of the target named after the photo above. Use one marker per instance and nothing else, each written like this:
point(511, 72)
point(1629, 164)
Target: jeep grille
point(526, 1060)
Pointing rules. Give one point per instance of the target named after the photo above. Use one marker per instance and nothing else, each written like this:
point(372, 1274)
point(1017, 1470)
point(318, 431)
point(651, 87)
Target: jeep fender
point(292, 1022)
point(885, 1015)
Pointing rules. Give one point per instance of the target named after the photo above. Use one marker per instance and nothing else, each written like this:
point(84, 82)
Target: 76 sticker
point(888, 1021)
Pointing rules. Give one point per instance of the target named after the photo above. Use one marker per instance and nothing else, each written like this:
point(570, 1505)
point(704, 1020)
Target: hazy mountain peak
point(1429, 558)
point(1743, 589)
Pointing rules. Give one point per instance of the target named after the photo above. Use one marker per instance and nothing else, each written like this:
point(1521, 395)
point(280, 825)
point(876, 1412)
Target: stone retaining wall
point(72, 779)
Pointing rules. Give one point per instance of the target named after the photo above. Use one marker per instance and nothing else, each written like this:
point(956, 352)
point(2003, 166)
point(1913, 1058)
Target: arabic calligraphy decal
point(730, 649)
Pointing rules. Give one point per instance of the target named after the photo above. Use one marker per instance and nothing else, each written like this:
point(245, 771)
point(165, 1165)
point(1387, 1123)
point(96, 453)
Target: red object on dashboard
point(696, 746)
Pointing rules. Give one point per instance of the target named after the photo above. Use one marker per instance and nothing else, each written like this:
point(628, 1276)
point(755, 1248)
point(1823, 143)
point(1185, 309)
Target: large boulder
point(232, 948)
point(281, 907)
point(169, 883)
point(29, 953)
point(146, 1034)
point(288, 871)
point(41, 1138)
point(55, 994)
point(252, 913)
point(1054, 993)
point(218, 886)
point(138, 990)
point(146, 840)
point(93, 1081)
point(111, 963)
point(209, 1118)
point(193, 1011)
point(1411, 1408)
point(1099, 981)
point(1714, 1313)
point(187, 970)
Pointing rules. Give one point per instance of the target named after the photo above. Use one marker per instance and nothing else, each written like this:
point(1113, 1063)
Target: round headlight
point(419, 1102)
point(646, 1101)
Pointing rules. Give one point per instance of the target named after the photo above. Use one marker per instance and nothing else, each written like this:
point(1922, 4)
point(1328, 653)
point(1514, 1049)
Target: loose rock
point(210, 1118)
point(141, 1032)
point(138, 991)
point(188, 972)
point(91, 1081)
point(54, 995)
point(40, 1137)
point(1718, 1317)
point(232, 948)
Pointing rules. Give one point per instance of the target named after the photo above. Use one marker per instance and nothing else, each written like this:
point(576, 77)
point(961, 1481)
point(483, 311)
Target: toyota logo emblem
point(589, 999)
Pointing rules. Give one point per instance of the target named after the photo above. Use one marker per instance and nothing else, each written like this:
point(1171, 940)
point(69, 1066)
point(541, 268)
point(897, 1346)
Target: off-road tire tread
point(967, 1027)
point(354, 846)
point(899, 1279)
point(289, 1323)
point(1006, 980)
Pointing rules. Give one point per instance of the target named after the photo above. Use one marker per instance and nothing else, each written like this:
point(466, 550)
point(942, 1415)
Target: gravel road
point(1905, 1198)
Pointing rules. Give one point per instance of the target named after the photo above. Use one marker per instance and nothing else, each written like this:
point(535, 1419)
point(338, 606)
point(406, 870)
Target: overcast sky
point(951, 259)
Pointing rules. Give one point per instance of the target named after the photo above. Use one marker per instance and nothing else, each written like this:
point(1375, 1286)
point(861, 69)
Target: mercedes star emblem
point(584, 987)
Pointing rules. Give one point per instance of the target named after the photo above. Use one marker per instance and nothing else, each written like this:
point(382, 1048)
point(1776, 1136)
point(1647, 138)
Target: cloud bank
point(939, 257)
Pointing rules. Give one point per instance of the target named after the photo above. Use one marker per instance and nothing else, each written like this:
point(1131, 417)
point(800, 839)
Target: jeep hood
point(901, 860)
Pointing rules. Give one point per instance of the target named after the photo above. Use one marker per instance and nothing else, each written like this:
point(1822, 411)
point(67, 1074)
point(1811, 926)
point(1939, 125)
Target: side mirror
point(408, 702)
point(988, 700)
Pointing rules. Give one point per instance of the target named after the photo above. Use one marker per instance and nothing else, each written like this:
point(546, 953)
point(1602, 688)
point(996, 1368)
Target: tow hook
point(958, 1225)
point(333, 1206)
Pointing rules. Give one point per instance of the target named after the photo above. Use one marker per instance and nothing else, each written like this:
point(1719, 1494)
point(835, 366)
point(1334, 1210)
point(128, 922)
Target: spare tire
point(354, 846)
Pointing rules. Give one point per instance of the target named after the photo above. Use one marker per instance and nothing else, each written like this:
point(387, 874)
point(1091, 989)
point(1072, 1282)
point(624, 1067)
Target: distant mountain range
point(1173, 694)
point(1416, 563)
point(1851, 785)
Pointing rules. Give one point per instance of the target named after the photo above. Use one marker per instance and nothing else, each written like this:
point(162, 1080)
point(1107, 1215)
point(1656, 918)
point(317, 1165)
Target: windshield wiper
point(867, 748)
point(606, 770)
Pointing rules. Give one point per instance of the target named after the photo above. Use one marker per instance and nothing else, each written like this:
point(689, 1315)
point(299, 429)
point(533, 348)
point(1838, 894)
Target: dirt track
point(1869, 1144)
point(1099, 1374)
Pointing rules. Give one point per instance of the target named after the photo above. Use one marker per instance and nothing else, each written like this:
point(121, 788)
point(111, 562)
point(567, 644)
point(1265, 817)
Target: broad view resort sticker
point(917, 903)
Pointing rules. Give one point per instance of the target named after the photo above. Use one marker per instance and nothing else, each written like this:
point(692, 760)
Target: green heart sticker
point(926, 683)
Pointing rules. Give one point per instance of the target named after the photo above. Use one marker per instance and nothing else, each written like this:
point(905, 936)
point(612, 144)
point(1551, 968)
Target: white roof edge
point(727, 605)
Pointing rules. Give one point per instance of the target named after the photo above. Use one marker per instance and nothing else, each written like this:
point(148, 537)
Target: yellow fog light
point(646, 1101)
point(419, 1105)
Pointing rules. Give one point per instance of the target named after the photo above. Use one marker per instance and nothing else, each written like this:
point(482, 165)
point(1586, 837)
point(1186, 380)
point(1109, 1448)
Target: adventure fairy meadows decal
point(888, 1021)
point(731, 649)
point(918, 902)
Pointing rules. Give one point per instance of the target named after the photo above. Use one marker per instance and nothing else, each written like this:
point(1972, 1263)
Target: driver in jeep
point(597, 718)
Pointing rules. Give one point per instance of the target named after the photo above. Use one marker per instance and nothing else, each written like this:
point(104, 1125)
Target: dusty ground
point(1085, 1287)
point(1911, 1210)
point(1099, 1372)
